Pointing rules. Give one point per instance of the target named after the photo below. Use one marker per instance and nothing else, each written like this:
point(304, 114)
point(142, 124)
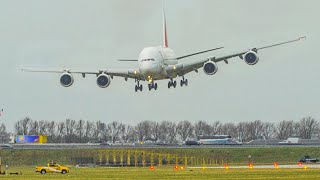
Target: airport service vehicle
point(192, 141)
point(306, 159)
point(217, 140)
point(161, 63)
point(5, 146)
point(51, 168)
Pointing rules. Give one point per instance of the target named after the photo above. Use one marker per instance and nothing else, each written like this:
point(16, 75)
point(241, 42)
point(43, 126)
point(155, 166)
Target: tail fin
point(165, 36)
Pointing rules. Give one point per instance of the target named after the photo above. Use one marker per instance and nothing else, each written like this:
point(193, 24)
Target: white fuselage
point(153, 62)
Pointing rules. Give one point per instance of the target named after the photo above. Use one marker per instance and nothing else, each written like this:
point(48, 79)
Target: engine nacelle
point(66, 79)
point(210, 68)
point(103, 80)
point(251, 58)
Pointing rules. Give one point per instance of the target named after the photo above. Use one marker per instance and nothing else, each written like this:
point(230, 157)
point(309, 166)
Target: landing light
point(174, 67)
point(151, 167)
point(176, 167)
point(135, 72)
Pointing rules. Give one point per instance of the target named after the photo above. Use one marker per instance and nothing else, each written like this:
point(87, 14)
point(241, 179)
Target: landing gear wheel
point(181, 83)
point(149, 86)
point(169, 84)
point(155, 86)
point(186, 82)
point(138, 86)
point(174, 84)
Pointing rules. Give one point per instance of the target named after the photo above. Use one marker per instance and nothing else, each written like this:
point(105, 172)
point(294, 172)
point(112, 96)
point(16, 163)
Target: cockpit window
point(150, 59)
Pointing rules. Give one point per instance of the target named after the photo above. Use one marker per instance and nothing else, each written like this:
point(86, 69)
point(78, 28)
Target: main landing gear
point(138, 87)
point(183, 81)
point(153, 86)
point(172, 83)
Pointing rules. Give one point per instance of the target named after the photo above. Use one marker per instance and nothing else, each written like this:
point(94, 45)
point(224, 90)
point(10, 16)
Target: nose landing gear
point(153, 86)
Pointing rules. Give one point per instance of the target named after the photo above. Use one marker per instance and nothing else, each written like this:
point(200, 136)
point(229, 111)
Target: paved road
point(98, 146)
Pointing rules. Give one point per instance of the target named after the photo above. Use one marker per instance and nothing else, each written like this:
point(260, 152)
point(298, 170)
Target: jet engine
point(66, 79)
point(251, 58)
point(210, 68)
point(103, 80)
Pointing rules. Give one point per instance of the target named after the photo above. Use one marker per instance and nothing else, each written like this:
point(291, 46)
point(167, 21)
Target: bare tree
point(155, 131)
point(61, 132)
point(71, 131)
point(99, 132)
point(216, 128)
point(308, 127)
point(284, 129)
point(268, 130)
point(79, 130)
point(229, 129)
point(70, 127)
point(255, 129)
point(114, 130)
point(184, 130)
point(243, 132)
point(143, 129)
point(127, 133)
point(18, 130)
point(168, 132)
point(4, 135)
point(23, 126)
point(202, 128)
point(34, 128)
point(51, 131)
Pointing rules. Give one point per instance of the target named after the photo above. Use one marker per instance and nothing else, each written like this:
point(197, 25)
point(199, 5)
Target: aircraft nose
point(148, 68)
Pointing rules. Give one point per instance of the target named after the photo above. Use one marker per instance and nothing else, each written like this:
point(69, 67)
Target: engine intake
point(210, 68)
point(66, 79)
point(103, 80)
point(251, 58)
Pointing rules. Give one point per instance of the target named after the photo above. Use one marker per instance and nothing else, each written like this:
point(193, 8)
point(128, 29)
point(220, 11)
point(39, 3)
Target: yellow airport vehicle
point(51, 168)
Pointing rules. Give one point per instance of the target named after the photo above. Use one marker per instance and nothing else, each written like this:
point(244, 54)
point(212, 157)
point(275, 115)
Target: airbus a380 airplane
point(159, 63)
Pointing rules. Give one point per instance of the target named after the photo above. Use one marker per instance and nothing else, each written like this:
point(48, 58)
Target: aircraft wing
point(182, 69)
point(125, 73)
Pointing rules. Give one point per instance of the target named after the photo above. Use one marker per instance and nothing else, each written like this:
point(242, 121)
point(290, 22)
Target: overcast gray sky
point(92, 35)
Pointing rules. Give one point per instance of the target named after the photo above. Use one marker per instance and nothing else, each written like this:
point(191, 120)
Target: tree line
point(84, 131)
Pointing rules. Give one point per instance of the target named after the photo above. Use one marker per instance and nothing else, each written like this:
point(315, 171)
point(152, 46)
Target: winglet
point(303, 37)
point(165, 35)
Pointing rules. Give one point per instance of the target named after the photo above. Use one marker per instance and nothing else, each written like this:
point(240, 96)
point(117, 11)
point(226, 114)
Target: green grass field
point(25, 160)
point(166, 173)
point(260, 155)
